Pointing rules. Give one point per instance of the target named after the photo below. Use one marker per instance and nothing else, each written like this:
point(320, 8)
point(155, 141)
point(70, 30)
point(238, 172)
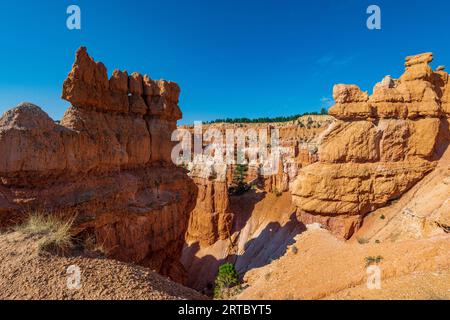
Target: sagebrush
point(54, 231)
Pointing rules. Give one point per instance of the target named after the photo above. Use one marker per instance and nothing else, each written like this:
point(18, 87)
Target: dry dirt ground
point(26, 272)
point(411, 235)
point(319, 266)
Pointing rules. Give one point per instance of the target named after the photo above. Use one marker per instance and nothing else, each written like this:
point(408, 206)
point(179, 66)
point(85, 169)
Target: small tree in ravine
point(239, 176)
point(226, 279)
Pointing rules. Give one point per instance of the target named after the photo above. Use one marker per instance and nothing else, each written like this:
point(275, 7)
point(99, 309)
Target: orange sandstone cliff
point(375, 150)
point(381, 146)
point(108, 161)
point(253, 229)
point(383, 175)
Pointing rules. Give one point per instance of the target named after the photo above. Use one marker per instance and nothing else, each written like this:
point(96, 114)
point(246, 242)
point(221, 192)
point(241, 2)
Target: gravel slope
point(28, 273)
point(323, 267)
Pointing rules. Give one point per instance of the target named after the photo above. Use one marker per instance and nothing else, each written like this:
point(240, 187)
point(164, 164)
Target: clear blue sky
point(231, 58)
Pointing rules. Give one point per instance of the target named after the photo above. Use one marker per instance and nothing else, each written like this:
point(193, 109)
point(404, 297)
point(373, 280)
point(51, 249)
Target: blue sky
point(231, 58)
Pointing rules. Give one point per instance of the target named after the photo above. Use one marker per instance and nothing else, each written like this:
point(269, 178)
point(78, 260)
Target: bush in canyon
point(362, 240)
point(226, 279)
point(239, 186)
point(373, 260)
point(277, 192)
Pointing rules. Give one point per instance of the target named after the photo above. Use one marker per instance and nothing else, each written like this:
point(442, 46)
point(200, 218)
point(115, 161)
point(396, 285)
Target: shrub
point(393, 201)
point(54, 231)
point(373, 260)
point(277, 192)
point(226, 279)
point(323, 111)
point(294, 249)
point(382, 217)
point(362, 240)
point(239, 175)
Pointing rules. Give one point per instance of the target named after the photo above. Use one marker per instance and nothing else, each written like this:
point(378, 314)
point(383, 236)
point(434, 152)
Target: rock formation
point(252, 229)
point(211, 220)
point(381, 146)
point(299, 142)
point(108, 161)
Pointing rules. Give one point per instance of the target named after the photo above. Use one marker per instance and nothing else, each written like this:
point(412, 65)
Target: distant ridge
point(323, 111)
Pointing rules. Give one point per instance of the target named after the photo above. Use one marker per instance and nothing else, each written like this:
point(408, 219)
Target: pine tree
point(226, 279)
point(239, 177)
point(323, 111)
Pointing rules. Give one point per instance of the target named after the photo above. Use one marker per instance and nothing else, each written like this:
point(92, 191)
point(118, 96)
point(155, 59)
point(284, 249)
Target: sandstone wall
point(108, 161)
point(212, 219)
point(381, 146)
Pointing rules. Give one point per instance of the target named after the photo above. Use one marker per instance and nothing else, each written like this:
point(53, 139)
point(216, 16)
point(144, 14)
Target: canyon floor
point(281, 260)
point(323, 267)
point(415, 252)
point(312, 264)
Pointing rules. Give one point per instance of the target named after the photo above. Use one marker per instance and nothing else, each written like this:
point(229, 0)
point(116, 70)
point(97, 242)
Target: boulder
point(351, 103)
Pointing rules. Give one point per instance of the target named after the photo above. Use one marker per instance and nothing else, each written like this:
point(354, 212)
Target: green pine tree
point(239, 177)
point(226, 279)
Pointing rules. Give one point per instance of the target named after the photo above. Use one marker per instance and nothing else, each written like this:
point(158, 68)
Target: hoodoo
point(108, 161)
point(381, 146)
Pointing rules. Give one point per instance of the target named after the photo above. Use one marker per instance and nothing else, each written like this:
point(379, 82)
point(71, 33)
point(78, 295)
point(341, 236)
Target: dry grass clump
point(91, 244)
point(54, 231)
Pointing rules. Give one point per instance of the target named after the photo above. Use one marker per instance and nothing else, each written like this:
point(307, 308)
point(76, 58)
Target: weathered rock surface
point(253, 229)
point(381, 147)
point(212, 219)
point(108, 161)
point(263, 226)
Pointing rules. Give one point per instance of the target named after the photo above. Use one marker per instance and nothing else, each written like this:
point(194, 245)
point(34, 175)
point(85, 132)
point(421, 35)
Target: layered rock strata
point(212, 219)
point(379, 148)
point(108, 162)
